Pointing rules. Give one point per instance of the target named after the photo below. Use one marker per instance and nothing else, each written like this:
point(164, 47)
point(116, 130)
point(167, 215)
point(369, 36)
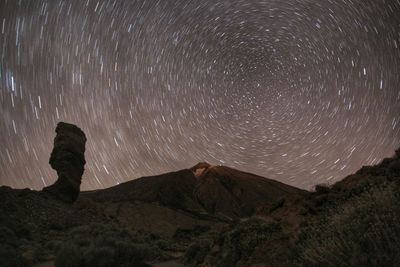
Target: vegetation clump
point(361, 230)
point(101, 245)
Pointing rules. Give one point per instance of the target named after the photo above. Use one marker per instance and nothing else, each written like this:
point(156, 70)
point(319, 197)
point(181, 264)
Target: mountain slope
point(217, 190)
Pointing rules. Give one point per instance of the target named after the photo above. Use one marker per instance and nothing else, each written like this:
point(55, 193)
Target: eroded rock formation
point(68, 159)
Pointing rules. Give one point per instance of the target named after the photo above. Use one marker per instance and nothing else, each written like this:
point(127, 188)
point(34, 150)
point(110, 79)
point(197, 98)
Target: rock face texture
point(68, 159)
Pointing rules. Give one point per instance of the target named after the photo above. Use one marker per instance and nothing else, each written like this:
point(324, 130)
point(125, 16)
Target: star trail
point(301, 91)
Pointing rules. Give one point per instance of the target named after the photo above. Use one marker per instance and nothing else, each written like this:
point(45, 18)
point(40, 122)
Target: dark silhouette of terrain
point(202, 216)
point(68, 159)
point(217, 191)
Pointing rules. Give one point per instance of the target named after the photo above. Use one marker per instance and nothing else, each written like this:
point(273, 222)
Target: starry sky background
point(301, 91)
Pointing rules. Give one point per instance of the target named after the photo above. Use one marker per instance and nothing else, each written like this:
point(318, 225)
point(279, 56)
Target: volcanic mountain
point(218, 191)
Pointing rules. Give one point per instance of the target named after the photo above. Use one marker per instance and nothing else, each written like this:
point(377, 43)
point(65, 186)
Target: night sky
point(301, 91)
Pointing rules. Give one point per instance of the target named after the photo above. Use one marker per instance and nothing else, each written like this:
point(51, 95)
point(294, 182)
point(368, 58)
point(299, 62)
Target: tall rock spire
point(68, 159)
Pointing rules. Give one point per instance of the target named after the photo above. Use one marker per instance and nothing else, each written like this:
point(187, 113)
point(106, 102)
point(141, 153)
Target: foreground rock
point(68, 159)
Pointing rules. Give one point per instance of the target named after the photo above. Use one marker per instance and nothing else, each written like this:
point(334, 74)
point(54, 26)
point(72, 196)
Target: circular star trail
point(301, 91)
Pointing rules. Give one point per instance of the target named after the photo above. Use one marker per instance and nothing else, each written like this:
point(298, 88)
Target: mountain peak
point(201, 168)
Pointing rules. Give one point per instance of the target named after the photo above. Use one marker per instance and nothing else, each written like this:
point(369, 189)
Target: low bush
point(239, 243)
point(322, 189)
point(10, 256)
point(364, 230)
point(197, 252)
point(188, 234)
point(104, 245)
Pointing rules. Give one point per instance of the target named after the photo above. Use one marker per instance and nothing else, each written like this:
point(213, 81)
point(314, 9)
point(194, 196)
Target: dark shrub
point(102, 257)
point(188, 234)
point(239, 243)
point(394, 168)
point(362, 230)
point(9, 253)
point(104, 245)
point(69, 256)
point(276, 205)
point(322, 189)
point(197, 252)
point(10, 256)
